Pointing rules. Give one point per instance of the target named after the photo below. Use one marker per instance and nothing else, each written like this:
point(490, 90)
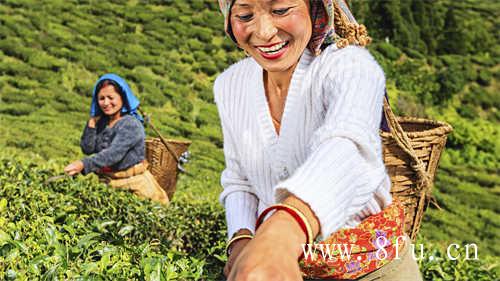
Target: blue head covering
point(130, 102)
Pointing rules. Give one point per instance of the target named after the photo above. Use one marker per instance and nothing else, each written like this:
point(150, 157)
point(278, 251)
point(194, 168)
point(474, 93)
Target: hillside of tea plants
point(441, 60)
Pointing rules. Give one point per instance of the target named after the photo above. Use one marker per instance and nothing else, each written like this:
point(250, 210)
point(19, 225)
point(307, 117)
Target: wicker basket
point(411, 152)
point(163, 160)
point(164, 157)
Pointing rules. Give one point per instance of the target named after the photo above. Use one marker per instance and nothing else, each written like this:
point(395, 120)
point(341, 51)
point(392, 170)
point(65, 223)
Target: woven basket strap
point(404, 143)
point(163, 140)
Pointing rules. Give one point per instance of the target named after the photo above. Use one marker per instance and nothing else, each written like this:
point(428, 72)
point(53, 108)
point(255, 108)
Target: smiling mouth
point(273, 49)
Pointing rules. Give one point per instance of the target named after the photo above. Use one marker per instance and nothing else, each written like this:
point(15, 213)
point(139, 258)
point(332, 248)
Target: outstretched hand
point(273, 253)
point(74, 168)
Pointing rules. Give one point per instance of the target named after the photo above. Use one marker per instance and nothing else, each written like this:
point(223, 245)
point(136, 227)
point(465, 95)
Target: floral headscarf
point(332, 22)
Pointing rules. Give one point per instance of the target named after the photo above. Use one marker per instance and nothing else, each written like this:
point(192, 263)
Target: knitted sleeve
point(129, 132)
point(88, 140)
point(238, 196)
point(345, 167)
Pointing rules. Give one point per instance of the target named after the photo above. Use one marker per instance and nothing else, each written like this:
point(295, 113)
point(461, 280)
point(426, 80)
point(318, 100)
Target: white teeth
point(273, 49)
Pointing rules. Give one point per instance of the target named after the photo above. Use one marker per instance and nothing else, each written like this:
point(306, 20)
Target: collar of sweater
point(271, 137)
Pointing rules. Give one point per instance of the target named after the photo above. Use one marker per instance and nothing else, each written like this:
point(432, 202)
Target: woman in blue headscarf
point(114, 139)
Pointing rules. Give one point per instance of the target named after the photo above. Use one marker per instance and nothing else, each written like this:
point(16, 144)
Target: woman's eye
point(246, 17)
point(281, 11)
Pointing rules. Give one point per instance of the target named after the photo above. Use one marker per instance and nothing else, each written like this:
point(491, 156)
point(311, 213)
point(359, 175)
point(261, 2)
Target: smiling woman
point(301, 118)
point(256, 27)
point(114, 137)
point(110, 101)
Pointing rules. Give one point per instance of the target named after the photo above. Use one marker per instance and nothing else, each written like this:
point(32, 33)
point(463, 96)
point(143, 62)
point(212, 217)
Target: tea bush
point(77, 228)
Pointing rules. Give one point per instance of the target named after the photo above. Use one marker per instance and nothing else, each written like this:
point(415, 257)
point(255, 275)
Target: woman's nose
point(265, 28)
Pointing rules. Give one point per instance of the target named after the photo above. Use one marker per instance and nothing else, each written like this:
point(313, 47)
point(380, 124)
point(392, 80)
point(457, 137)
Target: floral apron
point(372, 245)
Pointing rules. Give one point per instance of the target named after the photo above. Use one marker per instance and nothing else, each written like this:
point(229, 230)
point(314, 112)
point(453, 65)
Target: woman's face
point(274, 32)
point(110, 101)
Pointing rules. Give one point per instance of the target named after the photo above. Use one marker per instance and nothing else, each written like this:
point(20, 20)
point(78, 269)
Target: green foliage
point(432, 27)
point(478, 96)
point(74, 229)
point(388, 50)
point(443, 268)
point(469, 211)
point(484, 77)
point(451, 79)
point(454, 40)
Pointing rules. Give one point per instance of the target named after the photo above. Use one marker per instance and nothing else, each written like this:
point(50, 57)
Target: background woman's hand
point(93, 121)
point(273, 253)
point(74, 168)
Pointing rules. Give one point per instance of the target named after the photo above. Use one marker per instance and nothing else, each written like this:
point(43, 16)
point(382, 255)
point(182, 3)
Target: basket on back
point(411, 152)
point(163, 158)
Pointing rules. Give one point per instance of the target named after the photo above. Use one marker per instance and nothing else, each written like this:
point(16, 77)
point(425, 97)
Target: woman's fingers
point(93, 121)
point(74, 168)
point(273, 253)
point(265, 258)
point(70, 170)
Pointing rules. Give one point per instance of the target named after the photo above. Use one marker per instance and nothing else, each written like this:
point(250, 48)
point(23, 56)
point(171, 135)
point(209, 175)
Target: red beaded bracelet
point(299, 217)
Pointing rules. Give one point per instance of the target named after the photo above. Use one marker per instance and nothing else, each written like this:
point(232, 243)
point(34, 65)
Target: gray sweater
point(119, 147)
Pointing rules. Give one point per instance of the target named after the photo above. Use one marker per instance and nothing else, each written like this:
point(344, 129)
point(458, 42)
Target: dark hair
point(108, 82)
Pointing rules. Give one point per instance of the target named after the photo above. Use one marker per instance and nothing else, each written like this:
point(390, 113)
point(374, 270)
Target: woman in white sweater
point(301, 118)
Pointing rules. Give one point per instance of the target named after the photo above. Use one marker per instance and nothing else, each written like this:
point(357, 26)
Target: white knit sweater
point(328, 152)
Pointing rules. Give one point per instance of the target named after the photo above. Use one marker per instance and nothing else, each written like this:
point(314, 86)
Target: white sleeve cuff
point(241, 211)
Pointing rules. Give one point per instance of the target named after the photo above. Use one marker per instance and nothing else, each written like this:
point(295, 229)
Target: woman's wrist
point(243, 231)
point(237, 238)
point(236, 245)
point(295, 219)
point(304, 208)
point(285, 231)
